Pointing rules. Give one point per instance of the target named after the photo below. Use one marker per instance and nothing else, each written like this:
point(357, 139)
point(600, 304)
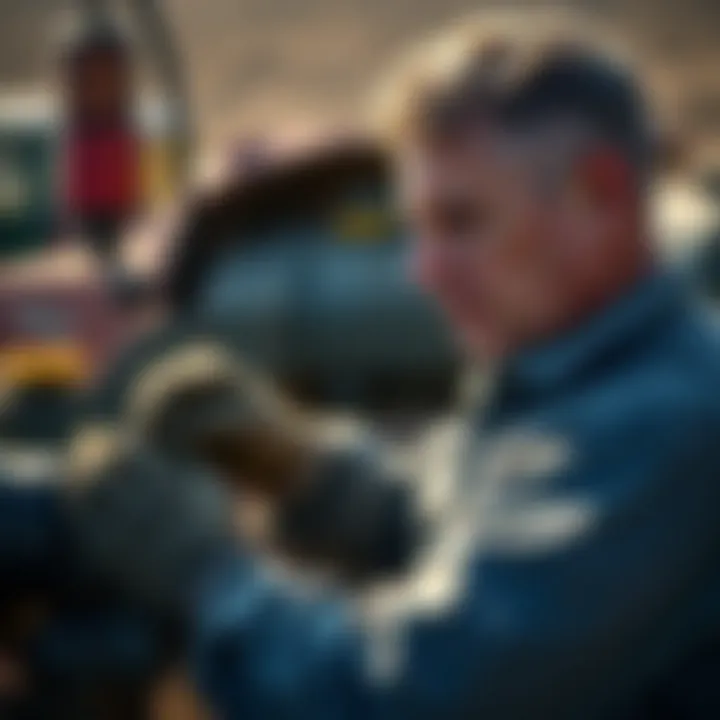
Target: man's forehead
point(471, 158)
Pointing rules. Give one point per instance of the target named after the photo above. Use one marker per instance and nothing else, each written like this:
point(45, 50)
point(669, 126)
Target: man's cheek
point(497, 272)
point(464, 298)
point(453, 272)
point(510, 289)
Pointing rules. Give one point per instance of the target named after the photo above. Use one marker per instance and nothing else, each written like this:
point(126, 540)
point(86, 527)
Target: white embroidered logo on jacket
point(498, 503)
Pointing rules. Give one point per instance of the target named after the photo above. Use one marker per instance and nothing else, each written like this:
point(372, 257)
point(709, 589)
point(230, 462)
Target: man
point(102, 163)
point(573, 573)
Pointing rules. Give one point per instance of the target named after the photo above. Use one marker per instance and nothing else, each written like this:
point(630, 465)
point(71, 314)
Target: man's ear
point(606, 178)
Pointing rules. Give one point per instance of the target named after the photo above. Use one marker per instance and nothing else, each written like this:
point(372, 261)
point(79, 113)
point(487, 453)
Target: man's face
point(495, 243)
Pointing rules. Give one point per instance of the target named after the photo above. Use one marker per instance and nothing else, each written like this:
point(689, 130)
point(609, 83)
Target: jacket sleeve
point(574, 597)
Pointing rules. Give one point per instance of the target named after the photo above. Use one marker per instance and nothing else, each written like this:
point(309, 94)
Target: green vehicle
point(30, 128)
point(28, 215)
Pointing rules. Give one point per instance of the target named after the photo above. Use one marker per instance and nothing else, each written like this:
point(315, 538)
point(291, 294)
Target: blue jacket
point(575, 572)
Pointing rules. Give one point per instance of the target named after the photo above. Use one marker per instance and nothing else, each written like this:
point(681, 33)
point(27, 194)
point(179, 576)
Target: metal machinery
point(301, 266)
point(58, 320)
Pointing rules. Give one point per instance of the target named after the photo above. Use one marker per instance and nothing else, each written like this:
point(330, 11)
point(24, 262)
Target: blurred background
point(231, 180)
point(256, 65)
point(201, 161)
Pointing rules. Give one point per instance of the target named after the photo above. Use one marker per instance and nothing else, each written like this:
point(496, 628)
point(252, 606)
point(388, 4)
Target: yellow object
point(363, 225)
point(43, 364)
point(157, 170)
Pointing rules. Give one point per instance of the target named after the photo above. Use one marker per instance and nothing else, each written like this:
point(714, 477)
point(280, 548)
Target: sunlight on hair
point(492, 47)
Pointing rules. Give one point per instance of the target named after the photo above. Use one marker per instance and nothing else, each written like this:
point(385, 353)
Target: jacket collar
point(618, 325)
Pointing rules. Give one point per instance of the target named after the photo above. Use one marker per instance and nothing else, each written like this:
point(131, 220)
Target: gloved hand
point(150, 527)
point(201, 402)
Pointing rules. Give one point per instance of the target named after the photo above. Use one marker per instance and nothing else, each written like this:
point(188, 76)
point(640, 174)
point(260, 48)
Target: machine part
point(154, 28)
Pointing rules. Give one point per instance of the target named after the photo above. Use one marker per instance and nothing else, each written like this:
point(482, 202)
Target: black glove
point(202, 402)
point(151, 527)
point(188, 395)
